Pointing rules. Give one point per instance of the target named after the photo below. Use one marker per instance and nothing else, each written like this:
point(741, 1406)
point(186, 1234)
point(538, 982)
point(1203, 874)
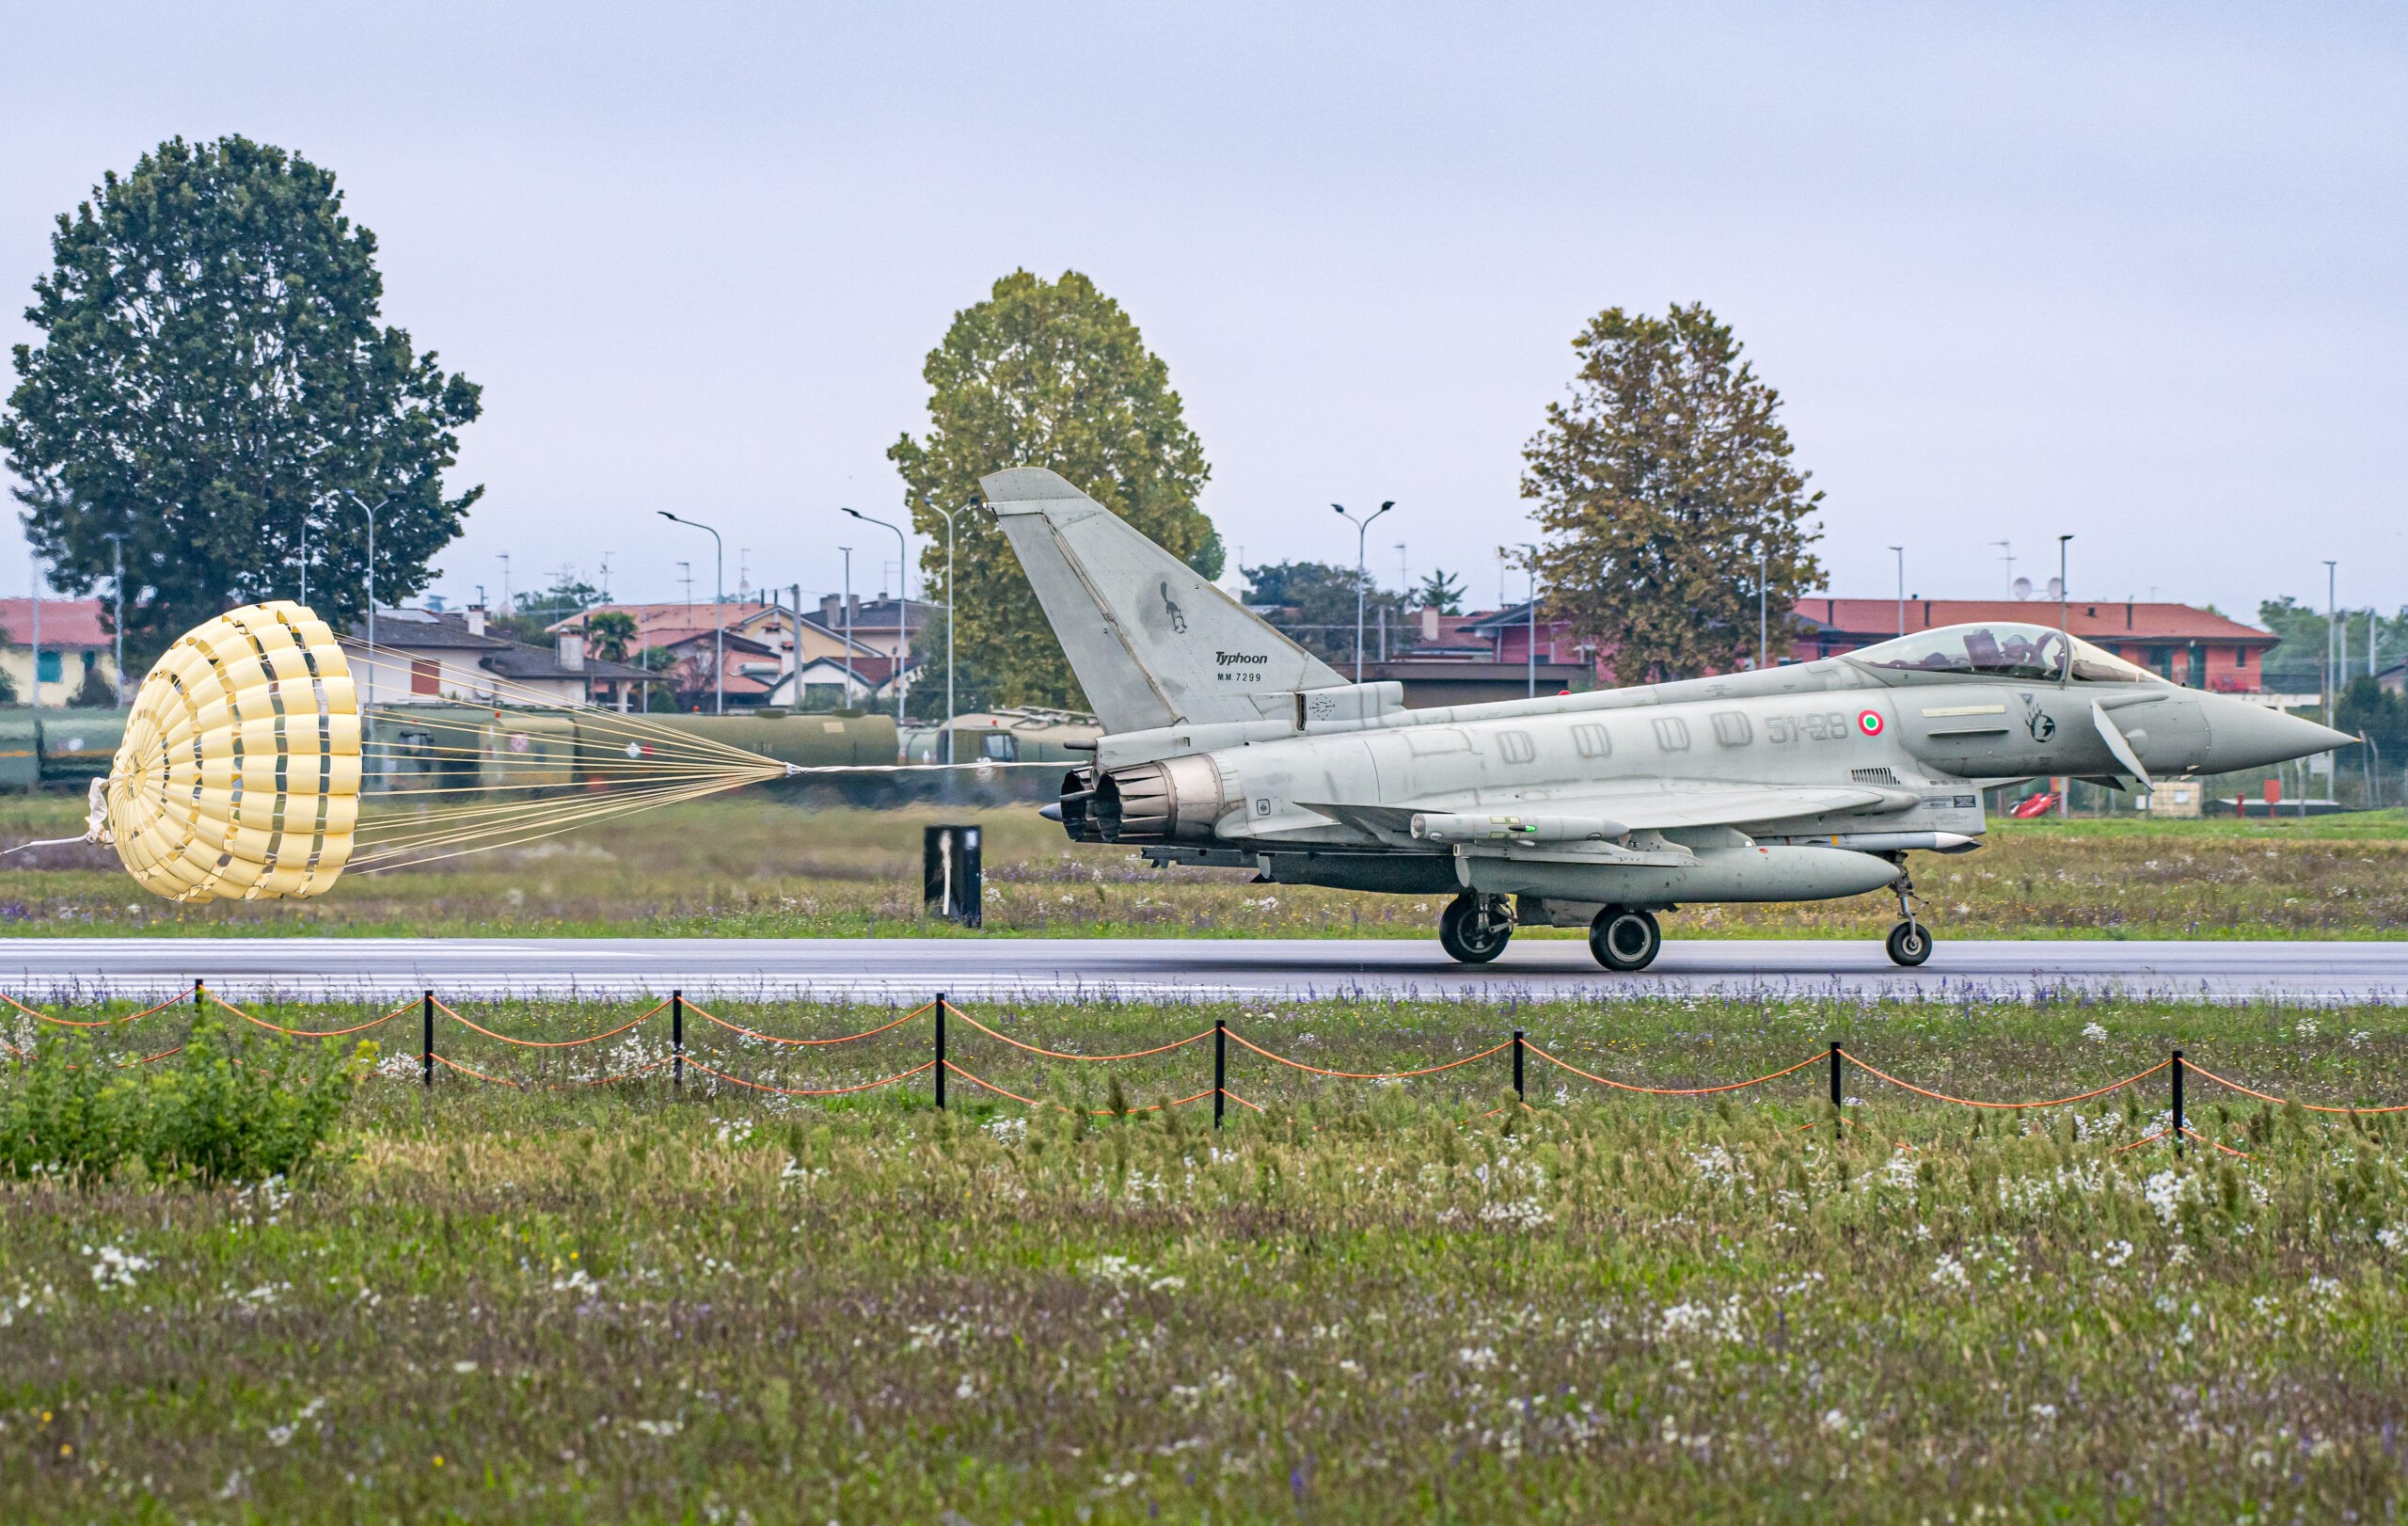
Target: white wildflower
point(2094, 1033)
point(114, 1266)
point(1950, 1273)
point(1480, 1359)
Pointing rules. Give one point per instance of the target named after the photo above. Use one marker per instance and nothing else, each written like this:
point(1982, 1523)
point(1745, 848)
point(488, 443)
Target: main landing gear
point(1910, 941)
point(1474, 929)
point(1626, 938)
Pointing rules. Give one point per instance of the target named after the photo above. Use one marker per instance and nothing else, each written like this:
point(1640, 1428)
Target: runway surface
point(1151, 968)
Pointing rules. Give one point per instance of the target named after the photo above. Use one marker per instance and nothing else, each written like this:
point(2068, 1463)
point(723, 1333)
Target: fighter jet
point(1225, 743)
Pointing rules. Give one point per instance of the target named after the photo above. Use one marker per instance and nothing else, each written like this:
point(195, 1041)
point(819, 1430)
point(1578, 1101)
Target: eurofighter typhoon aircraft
point(1227, 744)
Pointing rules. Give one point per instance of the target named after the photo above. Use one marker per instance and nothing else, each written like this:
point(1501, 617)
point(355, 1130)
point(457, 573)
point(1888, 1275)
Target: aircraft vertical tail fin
point(1153, 644)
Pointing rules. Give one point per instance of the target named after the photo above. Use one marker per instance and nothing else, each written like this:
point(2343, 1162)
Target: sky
point(2129, 273)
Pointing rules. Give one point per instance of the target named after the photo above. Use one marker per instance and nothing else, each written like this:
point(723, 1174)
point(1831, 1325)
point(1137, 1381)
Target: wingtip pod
point(239, 775)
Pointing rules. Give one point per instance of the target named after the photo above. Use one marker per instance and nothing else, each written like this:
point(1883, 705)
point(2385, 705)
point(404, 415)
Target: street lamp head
point(855, 513)
point(666, 515)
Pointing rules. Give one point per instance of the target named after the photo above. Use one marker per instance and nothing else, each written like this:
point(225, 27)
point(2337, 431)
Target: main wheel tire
point(1463, 936)
point(1623, 938)
point(1910, 943)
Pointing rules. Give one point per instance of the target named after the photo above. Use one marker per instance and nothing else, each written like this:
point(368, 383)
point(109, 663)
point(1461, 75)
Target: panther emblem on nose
point(2042, 723)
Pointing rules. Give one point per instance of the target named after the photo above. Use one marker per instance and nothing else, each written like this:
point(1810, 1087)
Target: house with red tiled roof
point(76, 642)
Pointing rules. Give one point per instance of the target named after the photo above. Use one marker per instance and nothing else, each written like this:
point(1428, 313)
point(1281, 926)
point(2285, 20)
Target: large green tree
point(1660, 483)
point(211, 378)
point(1044, 374)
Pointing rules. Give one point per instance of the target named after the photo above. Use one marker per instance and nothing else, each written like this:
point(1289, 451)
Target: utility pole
point(719, 606)
point(33, 691)
point(1362, 528)
point(117, 584)
point(2064, 636)
point(1902, 588)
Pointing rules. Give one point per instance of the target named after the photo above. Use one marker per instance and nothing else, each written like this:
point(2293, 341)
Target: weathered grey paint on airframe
point(1228, 743)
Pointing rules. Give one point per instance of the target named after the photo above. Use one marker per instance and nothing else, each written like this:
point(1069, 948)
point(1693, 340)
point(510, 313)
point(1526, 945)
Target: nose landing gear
point(1474, 929)
point(1910, 941)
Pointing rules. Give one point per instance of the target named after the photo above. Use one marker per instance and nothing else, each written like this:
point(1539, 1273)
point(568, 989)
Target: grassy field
point(1370, 1301)
point(762, 868)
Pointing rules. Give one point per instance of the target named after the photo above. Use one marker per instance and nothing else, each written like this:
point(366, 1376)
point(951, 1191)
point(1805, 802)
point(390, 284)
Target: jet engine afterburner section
point(1174, 801)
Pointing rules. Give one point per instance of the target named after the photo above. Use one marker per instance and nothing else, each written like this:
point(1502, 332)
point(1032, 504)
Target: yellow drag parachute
point(239, 775)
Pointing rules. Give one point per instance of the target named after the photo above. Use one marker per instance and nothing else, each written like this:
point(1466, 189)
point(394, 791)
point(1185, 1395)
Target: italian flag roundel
point(1869, 721)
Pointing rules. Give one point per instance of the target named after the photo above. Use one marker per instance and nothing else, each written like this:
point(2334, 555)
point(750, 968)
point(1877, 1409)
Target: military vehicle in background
point(1225, 743)
point(1025, 735)
point(434, 746)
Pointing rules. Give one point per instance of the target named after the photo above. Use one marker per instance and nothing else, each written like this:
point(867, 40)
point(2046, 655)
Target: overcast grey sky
point(2133, 272)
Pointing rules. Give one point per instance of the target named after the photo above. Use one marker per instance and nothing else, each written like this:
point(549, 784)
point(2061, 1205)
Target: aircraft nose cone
point(2245, 736)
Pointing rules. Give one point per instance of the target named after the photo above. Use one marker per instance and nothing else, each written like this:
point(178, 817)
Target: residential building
point(425, 658)
point(76, 642)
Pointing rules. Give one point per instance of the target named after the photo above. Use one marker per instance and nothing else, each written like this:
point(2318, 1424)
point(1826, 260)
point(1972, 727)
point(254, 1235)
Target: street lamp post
point(372, 586)
point(1902, 588)
point(1763, 625)
point(719, 615)
point(1534, 618)
point(2331, 587)
point(1362, 528)
point(947, 515)
point(117, 583)
point(902, 575)
point(847, 606)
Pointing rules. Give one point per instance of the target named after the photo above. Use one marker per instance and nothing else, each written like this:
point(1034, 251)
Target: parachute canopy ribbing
point(239, 775)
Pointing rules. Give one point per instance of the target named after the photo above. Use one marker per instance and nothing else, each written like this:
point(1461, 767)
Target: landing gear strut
point(1910, 941)
point(1474, 928)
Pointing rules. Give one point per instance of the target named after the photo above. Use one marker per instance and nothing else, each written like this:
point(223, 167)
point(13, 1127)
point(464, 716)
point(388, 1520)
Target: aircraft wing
point(1636, 804)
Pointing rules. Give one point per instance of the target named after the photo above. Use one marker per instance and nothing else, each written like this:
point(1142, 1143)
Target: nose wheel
point(1910, 941)
point(1474, 929)
point(1624, 938)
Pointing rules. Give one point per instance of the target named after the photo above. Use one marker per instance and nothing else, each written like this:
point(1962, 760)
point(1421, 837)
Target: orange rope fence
point(102, 1022)
point(2285, 1102)
point(1969, 1102)
point(1370, 1075)
point(1671, 1091)
point(772, 1038)
point(1097, 1059)
point(2178, 1128)
point(814, 1092)
point(306, 1033)
point(549, 1043)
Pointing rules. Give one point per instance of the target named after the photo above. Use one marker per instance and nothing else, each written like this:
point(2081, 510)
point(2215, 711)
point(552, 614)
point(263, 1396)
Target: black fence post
point(426, 1036)
point(196, 993)
point(1220, 1068)
point(1839, 1128)
point(678, 1040)
point(940, 1051)
point(2177, 1102)
point(1517, 1065)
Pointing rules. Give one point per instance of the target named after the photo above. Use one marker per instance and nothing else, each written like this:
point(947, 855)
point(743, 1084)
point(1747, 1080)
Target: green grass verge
point(1374, 1300)
point(761, 867)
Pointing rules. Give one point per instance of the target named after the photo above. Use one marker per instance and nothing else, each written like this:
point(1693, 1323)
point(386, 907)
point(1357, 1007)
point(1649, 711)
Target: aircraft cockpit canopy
point(2001, 650)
